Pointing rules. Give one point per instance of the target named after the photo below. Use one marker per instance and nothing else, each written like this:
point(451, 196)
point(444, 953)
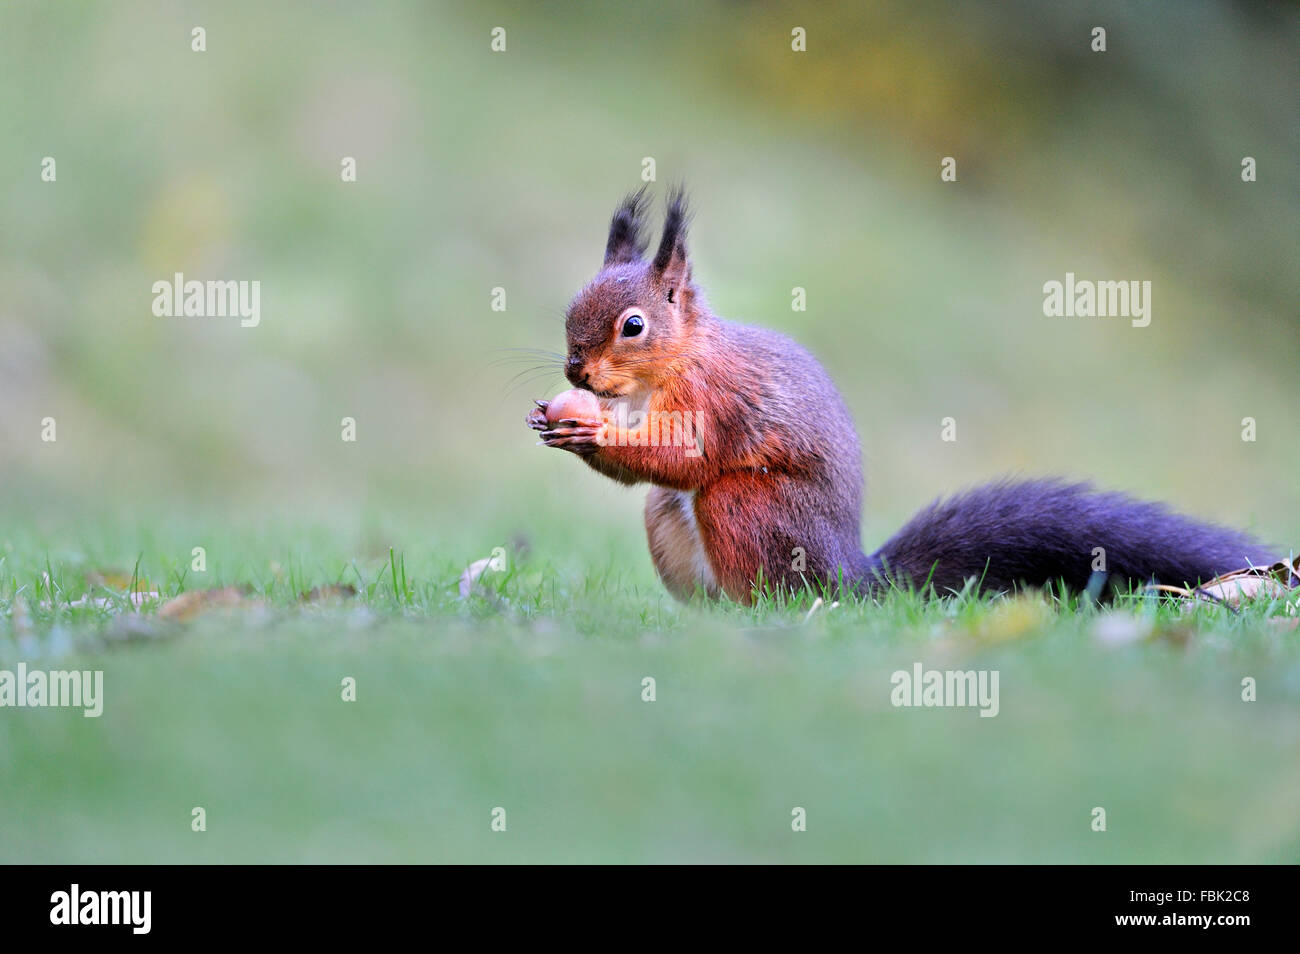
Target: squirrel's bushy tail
point(1042, 531)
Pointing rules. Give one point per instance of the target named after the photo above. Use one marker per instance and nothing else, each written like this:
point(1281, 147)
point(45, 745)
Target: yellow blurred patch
point(1012, 619)
point(186, 226)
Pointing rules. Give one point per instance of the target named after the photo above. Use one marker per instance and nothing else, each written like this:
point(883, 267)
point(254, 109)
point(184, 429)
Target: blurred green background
point(479, 170)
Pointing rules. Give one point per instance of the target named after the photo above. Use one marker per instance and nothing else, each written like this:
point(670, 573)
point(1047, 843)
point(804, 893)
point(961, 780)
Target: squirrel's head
point(632, 323)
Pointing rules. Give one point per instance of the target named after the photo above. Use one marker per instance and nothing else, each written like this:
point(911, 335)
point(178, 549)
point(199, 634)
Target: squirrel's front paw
point(536, 418)
point(580, 439)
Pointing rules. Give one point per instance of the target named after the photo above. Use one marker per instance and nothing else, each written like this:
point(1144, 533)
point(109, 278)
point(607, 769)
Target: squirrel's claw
point(576, 440)
point(536, 418)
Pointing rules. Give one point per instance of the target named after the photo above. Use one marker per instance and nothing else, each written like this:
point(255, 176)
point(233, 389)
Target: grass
point(528, 696)
point(480, 171)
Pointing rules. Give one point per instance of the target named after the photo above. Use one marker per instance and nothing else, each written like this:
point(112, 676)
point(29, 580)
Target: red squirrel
point(768, 489)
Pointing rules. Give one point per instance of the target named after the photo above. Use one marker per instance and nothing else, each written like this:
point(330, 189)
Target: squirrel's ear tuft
point(670, 262)
point(626, 237)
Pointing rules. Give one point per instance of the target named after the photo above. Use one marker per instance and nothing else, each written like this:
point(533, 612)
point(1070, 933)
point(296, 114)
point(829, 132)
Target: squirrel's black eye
point(633, 326)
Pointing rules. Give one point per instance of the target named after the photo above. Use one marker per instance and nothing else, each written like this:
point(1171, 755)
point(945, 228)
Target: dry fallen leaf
point(331, 591)
point(471, 575)
point(136, 599)
point(183, 608)
point(118, 580)
point(1250, 583)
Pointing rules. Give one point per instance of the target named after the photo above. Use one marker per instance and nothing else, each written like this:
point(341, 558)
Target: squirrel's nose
point(574, 372)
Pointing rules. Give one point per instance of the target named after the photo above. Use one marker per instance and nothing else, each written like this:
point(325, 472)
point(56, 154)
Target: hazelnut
point(573, 405)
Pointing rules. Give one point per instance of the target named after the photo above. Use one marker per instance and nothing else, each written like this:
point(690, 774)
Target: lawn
point(528, 695)
point(128, 439)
